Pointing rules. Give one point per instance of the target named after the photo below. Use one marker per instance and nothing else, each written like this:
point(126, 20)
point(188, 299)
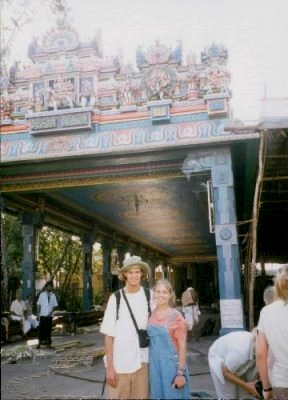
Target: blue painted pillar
point(218, 161)
point(31, 223)
point(87, 245)
point(229, 267)
point(106, 246)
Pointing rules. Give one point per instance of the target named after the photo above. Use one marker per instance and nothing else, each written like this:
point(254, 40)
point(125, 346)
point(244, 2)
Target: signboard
point(60, 122)
point(231, 313)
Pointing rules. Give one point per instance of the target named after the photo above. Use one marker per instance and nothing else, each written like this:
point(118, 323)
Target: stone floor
point(70, 374)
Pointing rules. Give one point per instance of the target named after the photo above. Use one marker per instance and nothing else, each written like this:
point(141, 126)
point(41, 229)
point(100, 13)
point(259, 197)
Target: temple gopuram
point(142, 158)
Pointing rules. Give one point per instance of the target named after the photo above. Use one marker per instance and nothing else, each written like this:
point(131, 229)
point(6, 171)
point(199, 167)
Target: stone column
point(218, 161)
point(31, 223)
point(87, 245)
point(106, 251)
point(165, 269)
point(152, 261)
point(121, 251)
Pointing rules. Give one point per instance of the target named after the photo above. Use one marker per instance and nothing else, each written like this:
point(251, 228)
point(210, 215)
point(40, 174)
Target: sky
point(255, 33)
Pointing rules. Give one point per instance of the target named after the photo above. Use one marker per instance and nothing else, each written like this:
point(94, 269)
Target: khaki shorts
point(131, 386)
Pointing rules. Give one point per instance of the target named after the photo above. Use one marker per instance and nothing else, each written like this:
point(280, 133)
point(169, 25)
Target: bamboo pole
point(256, 201)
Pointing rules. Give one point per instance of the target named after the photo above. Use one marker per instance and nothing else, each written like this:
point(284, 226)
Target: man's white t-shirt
point(127, 355)
point(273, 323)
point(47, 303)
point(18, 307)
point(235, 351)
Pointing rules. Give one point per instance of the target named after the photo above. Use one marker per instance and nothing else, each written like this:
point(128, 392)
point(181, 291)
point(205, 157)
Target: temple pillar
point(106, 246)
point(165, 269)
point(229, 269)
point(31, 224)
point(87, 245)
point(152, 262)
point(121, 251)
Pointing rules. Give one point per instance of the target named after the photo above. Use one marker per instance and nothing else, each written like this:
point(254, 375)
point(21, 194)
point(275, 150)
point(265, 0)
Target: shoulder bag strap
point(129, 308)
point(118, 296)
point(147, 294)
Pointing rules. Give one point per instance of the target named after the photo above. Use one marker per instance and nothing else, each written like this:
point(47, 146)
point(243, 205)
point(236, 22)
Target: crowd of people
point(22, 312)
point(242, 364)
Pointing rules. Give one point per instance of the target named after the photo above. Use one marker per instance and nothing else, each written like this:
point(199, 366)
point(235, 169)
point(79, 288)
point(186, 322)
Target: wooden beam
point(275, 178)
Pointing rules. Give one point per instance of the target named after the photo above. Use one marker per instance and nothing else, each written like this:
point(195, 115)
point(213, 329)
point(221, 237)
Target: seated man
point(29, 312)
point(18, 313)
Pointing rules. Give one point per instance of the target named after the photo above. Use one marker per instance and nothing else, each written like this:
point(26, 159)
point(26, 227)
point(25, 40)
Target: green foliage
point(60, 253)
point(69, 299)
point(59, 256)
point(58, 250)
point(13, 245)
point(99, 298)
point(12, 254)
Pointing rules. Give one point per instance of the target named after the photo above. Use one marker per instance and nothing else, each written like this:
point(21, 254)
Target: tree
point(12, 254)
point(15, 15)
point(61, 254)
point(60, 258)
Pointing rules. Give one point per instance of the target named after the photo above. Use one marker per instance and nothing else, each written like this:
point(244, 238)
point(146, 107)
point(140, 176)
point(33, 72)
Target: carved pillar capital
point(196, 161)
point(31, 218)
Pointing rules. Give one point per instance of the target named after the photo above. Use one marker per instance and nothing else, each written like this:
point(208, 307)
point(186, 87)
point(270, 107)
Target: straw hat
point(134, 262)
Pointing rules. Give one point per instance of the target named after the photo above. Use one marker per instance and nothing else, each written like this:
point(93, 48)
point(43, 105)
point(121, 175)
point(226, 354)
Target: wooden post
point(257, 194)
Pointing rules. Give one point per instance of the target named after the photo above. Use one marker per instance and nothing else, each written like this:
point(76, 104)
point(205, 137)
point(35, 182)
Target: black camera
point(144, 338)
point(259, 388)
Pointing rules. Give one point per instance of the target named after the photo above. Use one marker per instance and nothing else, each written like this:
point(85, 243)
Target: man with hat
point(127, 363)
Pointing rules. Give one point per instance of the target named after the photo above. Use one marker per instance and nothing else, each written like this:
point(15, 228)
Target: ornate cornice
point(93, 181)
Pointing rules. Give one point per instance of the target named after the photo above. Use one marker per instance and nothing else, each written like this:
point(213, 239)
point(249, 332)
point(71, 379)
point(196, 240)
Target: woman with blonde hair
point(272, 336)
point(168, 372)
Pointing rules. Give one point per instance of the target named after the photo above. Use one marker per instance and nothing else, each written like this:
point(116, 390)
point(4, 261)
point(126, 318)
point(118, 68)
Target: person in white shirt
point(127, 362)
point(18, 313)
point(189, 300)
point(46, 304)
point(272, 338)
point(29, 312)
point(232, 364)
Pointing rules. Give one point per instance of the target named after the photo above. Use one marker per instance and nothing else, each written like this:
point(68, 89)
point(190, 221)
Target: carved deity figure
point(157, 81)
point(83, 100)
point(93, 99)
point(51, 101)
point(215, 78)
point(127, 97)
point(7, 107)
point(37, 106)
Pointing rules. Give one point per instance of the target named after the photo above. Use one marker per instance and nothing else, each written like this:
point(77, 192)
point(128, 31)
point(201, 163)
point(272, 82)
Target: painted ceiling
point(169, 215)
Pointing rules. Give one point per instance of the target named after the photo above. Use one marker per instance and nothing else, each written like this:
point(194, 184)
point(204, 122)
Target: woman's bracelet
point(267, 390)
point(180, 371)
